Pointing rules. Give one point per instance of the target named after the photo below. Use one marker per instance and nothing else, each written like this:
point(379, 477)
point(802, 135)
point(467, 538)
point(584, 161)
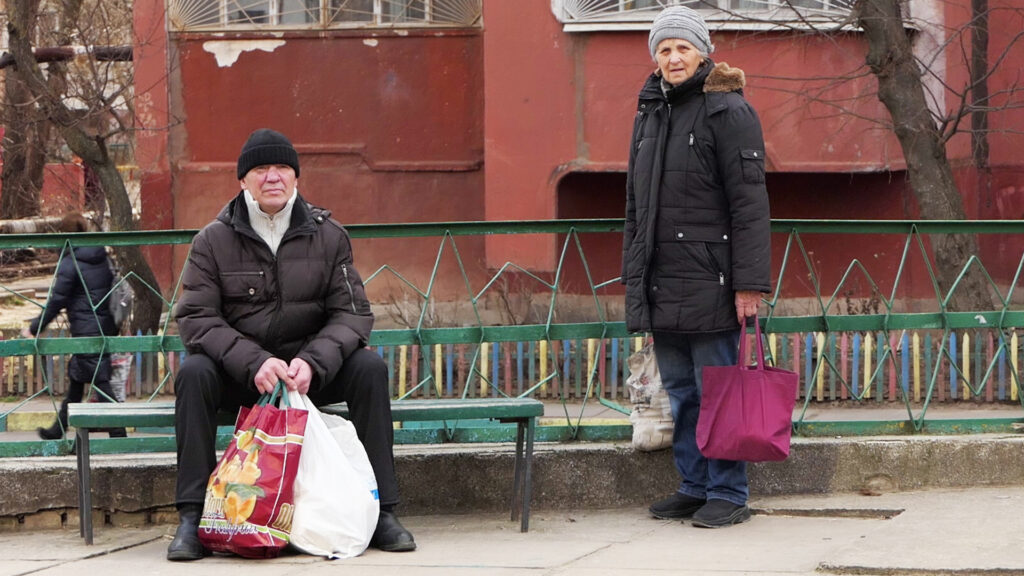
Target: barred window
point(583, 15)
point(201, 15)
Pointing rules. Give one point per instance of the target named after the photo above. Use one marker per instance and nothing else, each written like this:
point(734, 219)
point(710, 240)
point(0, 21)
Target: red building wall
point(522, 120)
point(556, 134)
point(387, 126)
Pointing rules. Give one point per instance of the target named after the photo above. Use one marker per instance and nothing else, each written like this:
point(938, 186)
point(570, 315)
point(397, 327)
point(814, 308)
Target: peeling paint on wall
point(227, 51)
point(371, 42)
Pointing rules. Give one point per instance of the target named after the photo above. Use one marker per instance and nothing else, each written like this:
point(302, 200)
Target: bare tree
point(923, 140)
point(89, 109)
point(24, 151)
point(907, 87)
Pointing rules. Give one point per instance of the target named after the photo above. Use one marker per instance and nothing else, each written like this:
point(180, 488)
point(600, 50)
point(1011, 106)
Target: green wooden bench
point(88, 417)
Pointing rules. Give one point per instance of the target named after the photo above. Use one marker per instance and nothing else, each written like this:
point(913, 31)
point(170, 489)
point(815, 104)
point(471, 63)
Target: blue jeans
point(681, 358)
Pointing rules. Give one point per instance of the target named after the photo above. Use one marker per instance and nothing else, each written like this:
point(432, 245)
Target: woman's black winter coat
point(697, 216)
point(78, 295)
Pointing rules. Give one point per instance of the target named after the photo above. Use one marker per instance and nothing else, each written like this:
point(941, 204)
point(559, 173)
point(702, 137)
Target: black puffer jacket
point(79, 295)
point(697, 218)
point(240, 305)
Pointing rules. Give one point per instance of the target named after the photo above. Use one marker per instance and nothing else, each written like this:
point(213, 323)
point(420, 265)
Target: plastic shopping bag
point(651, 416)
point(249, 505)
point(336, 501)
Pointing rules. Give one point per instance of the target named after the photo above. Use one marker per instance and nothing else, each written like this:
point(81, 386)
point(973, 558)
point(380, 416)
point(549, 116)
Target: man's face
point(678, 60)
point(271, 185)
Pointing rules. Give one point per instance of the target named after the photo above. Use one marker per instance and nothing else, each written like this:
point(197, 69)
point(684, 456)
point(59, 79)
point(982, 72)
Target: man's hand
point(747, 302)
point(299, 375)
point(26, 333)
point(270, 372)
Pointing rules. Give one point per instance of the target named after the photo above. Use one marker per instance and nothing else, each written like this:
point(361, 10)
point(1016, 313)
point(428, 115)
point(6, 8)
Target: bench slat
point(155, 414)
point(470, 409)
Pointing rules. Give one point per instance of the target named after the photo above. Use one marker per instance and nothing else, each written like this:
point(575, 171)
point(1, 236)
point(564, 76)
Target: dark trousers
point(681, 361)
point(201, 389)
point(82, 369)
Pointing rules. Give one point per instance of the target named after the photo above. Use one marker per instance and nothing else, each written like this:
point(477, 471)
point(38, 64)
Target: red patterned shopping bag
point(249, 505)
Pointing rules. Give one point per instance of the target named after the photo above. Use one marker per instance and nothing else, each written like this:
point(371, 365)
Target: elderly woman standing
point(696, 254)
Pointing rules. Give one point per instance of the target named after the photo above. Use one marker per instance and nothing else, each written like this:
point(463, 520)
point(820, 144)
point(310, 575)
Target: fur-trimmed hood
point(725, 78)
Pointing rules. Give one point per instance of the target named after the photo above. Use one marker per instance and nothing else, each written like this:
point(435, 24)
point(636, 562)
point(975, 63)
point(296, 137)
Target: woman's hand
point(747, 302)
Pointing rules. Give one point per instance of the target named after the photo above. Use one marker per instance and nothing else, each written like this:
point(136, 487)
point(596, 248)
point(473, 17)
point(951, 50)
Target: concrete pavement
point(964, 532)
point(948, 505)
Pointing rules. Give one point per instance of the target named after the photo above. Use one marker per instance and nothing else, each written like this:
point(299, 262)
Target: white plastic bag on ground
point(652, 413)
point(120, 369)
point(336, 502)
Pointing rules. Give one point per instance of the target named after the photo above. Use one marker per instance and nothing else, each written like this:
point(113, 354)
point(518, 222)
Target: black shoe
point(676, 506)
point(52, 433)
point(390, 535)
point(59, 426)
point(719, 513)
point(117, 432)
point(186, 544)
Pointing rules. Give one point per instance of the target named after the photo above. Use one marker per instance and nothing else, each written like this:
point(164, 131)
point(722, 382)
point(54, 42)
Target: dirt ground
point(15, 310)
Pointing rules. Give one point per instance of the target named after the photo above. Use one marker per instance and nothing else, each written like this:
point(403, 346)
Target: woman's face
point(678, 60)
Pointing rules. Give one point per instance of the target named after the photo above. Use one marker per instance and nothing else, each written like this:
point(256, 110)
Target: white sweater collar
point(270, 228)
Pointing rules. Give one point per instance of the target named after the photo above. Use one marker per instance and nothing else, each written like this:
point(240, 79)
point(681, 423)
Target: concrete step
point(465, 478)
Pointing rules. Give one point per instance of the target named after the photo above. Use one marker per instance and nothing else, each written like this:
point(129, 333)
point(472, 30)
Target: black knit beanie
point(266, 146)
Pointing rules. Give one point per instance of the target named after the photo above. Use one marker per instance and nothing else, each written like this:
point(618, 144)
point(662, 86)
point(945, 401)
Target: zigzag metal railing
point(1002, 322)
point(824, 359)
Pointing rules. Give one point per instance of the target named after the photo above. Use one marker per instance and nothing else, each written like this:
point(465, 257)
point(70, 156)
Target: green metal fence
point(858, 339)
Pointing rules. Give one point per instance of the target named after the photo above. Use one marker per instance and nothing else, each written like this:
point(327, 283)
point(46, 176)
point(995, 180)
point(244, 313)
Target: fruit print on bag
point(249, 506)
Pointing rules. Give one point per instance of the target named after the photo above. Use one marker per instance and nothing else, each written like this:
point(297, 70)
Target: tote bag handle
point(742, 358)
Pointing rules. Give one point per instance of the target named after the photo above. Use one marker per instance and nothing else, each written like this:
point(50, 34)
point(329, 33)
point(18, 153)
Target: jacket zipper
point(351, 294)
point(696, 152)
point(721, 279)
point(276, 322)
point(640, 129)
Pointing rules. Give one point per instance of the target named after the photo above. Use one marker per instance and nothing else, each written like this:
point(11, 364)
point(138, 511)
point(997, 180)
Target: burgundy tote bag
point(746, 412)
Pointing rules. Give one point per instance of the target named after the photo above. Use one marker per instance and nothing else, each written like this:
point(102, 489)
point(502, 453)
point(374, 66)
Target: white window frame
point(716, 14)
point(324, 9)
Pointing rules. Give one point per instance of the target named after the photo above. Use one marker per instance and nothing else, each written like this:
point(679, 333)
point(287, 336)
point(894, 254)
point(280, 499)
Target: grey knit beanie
point(264, 147)
point(680, 22)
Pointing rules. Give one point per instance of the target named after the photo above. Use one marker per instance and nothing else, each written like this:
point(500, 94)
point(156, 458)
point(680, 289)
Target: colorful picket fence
point(868, 337)
point(852, 367)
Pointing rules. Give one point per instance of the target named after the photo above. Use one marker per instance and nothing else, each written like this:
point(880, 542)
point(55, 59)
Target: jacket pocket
point(248, 286)
point(707, 246)
point(752, 162)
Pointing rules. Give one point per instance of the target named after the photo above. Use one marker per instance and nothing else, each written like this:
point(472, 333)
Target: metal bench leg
point(84, 485)
point(528, 475)
point(517, 483)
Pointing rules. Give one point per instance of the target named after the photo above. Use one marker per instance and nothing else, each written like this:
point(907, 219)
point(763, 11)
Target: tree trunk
point(24, 155)
point(891, 60)
point(91, 149)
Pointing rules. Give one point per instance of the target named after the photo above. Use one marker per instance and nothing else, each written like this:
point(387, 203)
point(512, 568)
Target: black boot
point(117, 432)
point(186, 544)
point(390, 535)
point(56, 430)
